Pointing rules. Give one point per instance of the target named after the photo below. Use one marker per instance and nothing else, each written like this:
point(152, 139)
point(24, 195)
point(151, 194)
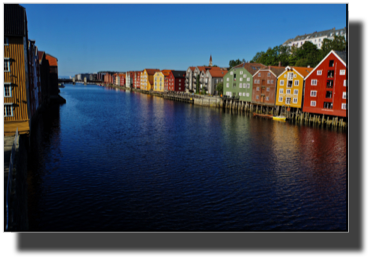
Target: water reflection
point(126, 161)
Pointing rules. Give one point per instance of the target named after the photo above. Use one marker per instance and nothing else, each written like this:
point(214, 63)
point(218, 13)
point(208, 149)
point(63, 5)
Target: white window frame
point(294, 75)
point(280, 98)
point(228, 79)
point(342, 72)
point(281, 91)
point(245, 76)
point(295, 100)
point(288, 91)
point(281, 82)
point(267, 88)
point(271, 81)
point(240, 79)
point(244, 85)
point(241, 72)
point(268, 81)
point(295, 92)
point(227, 85)
point(344, 106)
point(286, 100)
point(267, 98)
point(319, 72)
point(10, 90)
point(311, 93)
point(344, 82)
point(239, 93)
point(258, 88)
point(257, 97)
point(344, 95)
point(231, 73)
point(314, 82)
point(313, 103)
point(290, 75)
point(11, 107)
point(240, 85)
point(248, 84)
point(248, 79)
point(268, 73)
point(7, 60)
point(296, 83)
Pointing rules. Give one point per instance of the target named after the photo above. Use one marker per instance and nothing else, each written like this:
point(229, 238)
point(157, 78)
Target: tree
point(338, 43)
point(256, 58)
point(219, 88)
point(234, 63)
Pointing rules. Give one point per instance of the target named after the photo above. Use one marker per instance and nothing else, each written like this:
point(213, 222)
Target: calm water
point(121, 161)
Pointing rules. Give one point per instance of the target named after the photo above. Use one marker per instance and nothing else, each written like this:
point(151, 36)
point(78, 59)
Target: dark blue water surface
point(122, 161)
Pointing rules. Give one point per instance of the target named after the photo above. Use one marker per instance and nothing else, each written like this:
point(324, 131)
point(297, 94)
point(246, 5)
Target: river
point(111, 160)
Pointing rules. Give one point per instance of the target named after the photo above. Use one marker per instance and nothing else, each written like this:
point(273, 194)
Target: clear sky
point(123, 37)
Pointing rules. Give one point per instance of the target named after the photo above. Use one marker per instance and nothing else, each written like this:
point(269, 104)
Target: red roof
point(217, 72)
point(151, 71)
point(53, 62)
point(40, 55)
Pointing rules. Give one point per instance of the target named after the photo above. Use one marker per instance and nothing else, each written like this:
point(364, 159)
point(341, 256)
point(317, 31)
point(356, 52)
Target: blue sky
point(122, 37)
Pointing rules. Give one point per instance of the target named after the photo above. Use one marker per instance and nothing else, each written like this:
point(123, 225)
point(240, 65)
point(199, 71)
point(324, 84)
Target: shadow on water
point(44, 138)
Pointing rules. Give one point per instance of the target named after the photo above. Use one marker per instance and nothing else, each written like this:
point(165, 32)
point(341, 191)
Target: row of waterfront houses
point(30, 75)
point(319, 90)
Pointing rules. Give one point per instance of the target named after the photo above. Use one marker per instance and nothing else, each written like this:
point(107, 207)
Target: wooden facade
point(176, 80)
point(264, 85)
point(326, 87)
point(16, 82)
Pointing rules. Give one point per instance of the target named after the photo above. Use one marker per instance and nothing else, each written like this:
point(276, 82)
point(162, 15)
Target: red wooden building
point(136, 79)
point(176, 80)
point(326, 86)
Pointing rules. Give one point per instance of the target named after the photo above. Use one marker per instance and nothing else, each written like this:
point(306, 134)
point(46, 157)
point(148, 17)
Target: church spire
point(210, 64)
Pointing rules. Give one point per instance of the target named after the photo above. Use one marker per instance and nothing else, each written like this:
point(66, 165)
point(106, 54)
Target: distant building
point(146, 81)
point(213, 77)
point(176, 81)
point(316, 37)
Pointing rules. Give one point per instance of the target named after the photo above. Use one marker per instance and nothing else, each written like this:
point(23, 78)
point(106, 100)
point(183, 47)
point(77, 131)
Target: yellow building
point(159, 81)
point(146, 79)
point(290, 86)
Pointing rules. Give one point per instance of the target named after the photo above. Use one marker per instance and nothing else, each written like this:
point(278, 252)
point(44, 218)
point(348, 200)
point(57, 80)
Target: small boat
point(279, 118)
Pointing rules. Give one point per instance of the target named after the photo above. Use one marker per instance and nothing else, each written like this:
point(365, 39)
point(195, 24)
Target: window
point(228, 79)
point(344, 106)
point(288, 91)
point(344, 95)
point(281, 82)
point(284, 75)
point(295, 92)
point(244, 85)
point(231, 73)
point(268, 73)
point(248, 79)
point(267, 98)
point(344, 83)
point(328, 94)
point(234, 85)
point(295, 100)
point(258, 88)
point(288, 100)
point(240, 85)
point(227, 85)
point(248, 85)
point(327, 105)
point(235, 77)
point(331, 63)
point(271, 81)
point(290, 84)
point(294, 75)
point(180, 80)
point(296, 82)
point(342, 72)
point(239, 93)
point(241, 72)
point(279, 98)
point(313, 103)
point(319, 72)
point(7, 90)
point(290, 75)
point(241, 79)
point(7, 65)
point(313, 82)
point(8, 110)
point(245, 75)
point(281, 90)
point(330, 83)
point(257, 97)
point(267, 88)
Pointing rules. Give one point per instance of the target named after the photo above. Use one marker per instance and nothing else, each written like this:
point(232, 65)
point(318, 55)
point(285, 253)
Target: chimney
point(308, 66)
point(279, 64)
point(269, 67)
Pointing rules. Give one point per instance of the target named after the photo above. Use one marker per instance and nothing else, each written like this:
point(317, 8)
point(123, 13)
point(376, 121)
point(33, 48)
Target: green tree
point(339, 43)
point(234, 63)
point(256, 58)
point(219, 88)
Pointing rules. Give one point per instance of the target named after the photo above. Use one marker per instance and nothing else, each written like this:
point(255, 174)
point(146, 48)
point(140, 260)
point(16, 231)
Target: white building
point(316, 37)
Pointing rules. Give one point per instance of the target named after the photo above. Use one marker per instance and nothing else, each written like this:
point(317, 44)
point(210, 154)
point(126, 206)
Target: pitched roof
point(342, 55)
point(329, 33)
point(303, 71)
point(166, 72)
point(52, 60)
point(217, 72)
point(151, 71)
point(179, 73)
point(15, 22)
point(192, 68)
point(203, 68)
point(274, 69)
point(40, 55)
point(251, 67)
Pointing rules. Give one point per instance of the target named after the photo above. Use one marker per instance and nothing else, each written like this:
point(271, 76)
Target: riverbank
point(231, 104)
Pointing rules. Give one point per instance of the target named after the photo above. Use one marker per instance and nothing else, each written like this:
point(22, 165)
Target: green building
point(238, 81)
